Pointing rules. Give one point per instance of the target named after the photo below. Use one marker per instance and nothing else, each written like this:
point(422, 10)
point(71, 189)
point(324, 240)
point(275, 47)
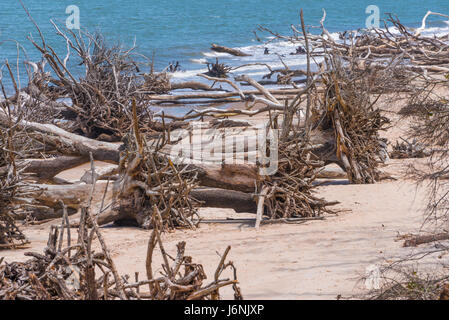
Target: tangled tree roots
point(148, 178)
point(156, 83)
point(218, 70)
point(10, 235)
point(349, 110)
point(70, 272)
point(101, 100)
point(289, 193)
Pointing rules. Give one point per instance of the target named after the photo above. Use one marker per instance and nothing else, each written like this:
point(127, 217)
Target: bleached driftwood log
point(231, 51)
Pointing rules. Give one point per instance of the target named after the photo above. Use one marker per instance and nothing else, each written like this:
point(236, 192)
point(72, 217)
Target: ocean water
point(182, 30)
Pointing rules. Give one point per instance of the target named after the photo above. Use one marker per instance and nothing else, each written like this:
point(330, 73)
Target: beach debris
point(348, 110)
point(149, 179)
point(290, 193)
point(217, 70)
point(11, 237)
point(231, 51)
point(156, 83)
point(417, 240)
point(107, 115)
point(74, 271)
point(407, 149)
point(11, 187)
point(100, 100)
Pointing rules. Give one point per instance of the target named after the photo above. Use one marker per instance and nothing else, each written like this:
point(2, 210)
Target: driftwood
point(11, 185)
point(332, 119)
point(232, 177)
point(416, 241)
point(148, 179)
point(48, 168)
point(67, 141)
point(221, 198)
point(234, 52)
point(68, 270)
point(407, 149)
point(194, 85)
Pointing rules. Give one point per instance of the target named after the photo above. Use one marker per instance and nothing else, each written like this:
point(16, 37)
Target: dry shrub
point(406, 283)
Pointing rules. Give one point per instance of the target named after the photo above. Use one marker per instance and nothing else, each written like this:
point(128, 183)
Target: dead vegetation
point(74, 271)
point(217, 70)
point(333, 118)
point(10, 185)
point(428, 109)
point(149, 179)
point(407, 283)
point(408, 149)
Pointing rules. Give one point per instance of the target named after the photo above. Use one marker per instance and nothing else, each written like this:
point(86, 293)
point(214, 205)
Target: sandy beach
point(322, 259)
point(223, 151)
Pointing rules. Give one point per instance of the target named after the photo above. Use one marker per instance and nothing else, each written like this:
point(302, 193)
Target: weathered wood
point(100, 174)
point(231, 177)
point(220, 198)
point(234, 52)
point(48, 168)
point(73, 196)
point(80, 145)
point(194, 85)
point(260, 206)
point(415, 241)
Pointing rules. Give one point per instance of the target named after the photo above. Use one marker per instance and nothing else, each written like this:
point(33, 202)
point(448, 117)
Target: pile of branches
point(10, 189)
point(217, 69)
point(349, 110)
point(149, 178)
point(409, 284)
point(290, 192)
point(100, 102)
point(406, 149)
point(156, 83)
point(188, 284)
point(74, 271)
point(11, 237)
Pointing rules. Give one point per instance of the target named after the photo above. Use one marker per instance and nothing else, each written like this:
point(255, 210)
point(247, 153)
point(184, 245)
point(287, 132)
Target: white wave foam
point(199, 61)
point(276, 48)
point(187, 74)
point(214, 54)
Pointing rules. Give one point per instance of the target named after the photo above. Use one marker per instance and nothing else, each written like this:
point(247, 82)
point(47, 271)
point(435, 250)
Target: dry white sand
point(315, 260)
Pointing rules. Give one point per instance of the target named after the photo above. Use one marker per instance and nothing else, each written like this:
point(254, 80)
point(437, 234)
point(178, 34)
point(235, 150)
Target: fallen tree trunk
point(73, 196)
point(194, 85)
point(217, 95)
point(62, 139)
point(231, 177)
point(415, 241)
point(219, 198)
point(48, 168)
point(234, 52)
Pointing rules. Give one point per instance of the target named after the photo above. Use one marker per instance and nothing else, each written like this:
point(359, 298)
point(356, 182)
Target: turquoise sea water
point(182, 30)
